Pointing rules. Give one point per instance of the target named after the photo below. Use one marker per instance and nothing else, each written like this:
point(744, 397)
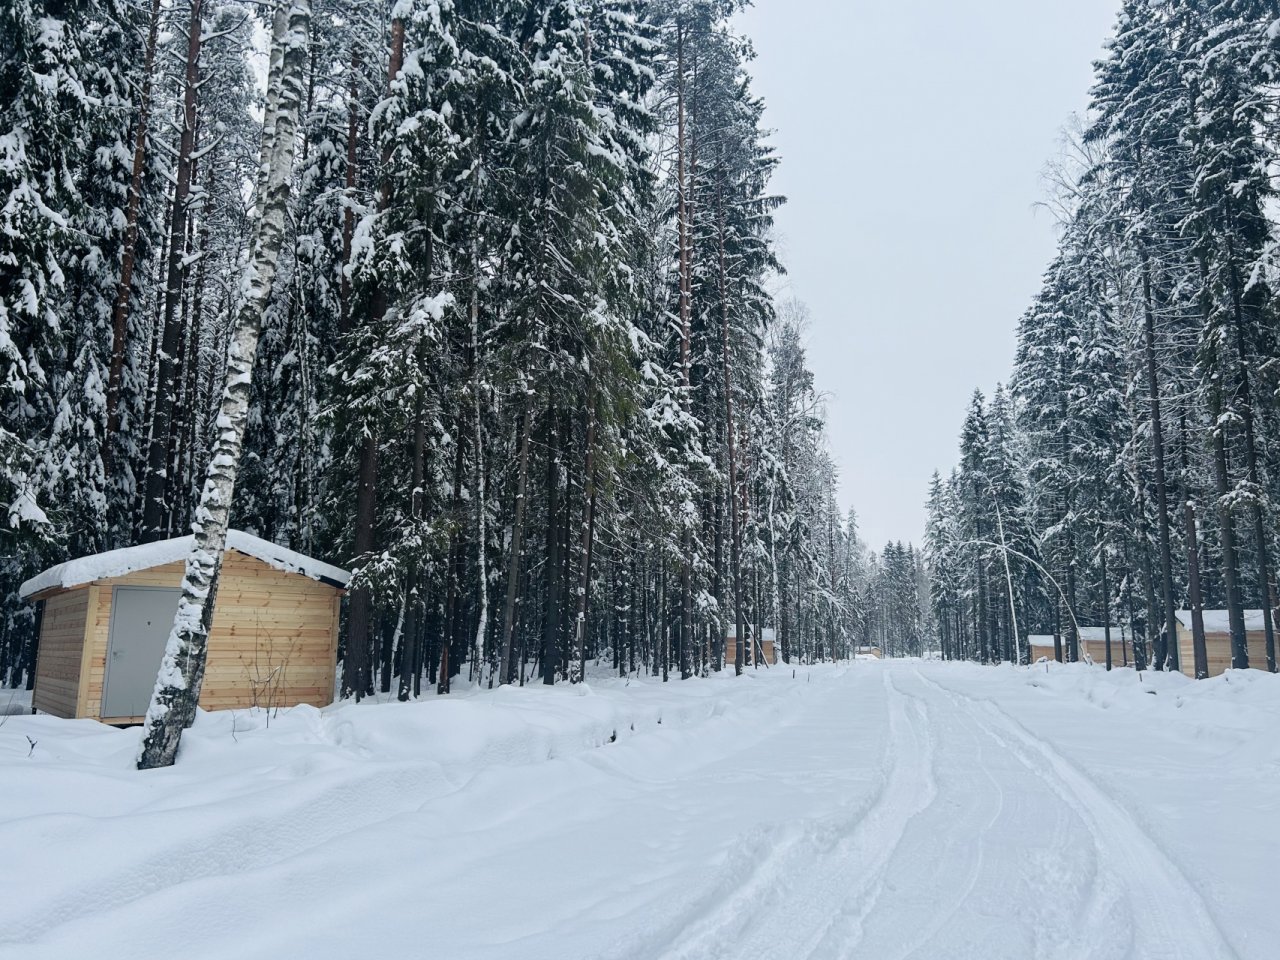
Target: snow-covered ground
point(878, 810)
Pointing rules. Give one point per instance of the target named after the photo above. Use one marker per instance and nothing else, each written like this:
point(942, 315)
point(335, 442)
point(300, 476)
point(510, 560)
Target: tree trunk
point(154, 483)
point(349, 193)
point(1106, 601)
point(507, 667)
point(1227, 534)
point(1251, 466)
point(588, 540)
point(355, 666)
point(735, 532)
point(1197, 602)
point(453, 600)
point(177, 692)
point(482, 536)
point(133, 208)
point(1167, 652)
point(409, 639)
point(682, 217)
point(551, 580)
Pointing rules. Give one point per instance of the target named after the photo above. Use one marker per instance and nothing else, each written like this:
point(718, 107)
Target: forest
point(492, 286)
point(1130, 467)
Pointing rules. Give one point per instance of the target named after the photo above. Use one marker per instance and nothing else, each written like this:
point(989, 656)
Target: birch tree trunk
point(177, 689)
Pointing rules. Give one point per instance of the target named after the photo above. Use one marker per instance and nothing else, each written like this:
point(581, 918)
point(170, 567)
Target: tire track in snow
point(958, 884)
point(846, 925)
point(1172, 920)
point(808, 875)
point(959, 896)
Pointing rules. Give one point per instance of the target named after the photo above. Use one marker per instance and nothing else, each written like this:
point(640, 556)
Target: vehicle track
point(816, 872)
point(1171, 920)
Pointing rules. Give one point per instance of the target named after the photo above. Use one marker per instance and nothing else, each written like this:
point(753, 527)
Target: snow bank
point(91, 845)
point(117, 563)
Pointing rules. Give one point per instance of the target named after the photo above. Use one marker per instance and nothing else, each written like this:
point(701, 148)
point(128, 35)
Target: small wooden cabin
point(105, 619)
point(871, 652)
point(768, 641)
point(1217, 641)
point(1041, 645)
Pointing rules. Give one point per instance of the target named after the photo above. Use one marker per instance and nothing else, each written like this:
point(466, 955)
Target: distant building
point(1217, 641)
point(763, 650)
point(1093, 644)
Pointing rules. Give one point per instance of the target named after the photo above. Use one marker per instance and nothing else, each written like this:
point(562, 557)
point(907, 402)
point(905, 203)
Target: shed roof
point(1219, 621)
point(1088, 634)
point(1099, 634)
point(118, 563)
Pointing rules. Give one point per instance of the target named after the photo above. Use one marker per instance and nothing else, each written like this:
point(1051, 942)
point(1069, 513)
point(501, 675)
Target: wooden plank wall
point(274, 639)
point(1097, 649)
point(731, 648)
point(1218, 648)
point(62, 635)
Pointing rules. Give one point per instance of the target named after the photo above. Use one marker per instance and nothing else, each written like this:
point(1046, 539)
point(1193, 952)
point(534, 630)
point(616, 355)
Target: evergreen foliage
point(519, 365)
point(1142, 420)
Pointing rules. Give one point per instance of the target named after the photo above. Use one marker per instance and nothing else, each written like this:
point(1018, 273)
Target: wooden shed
point(1041, 645)
point(768, 642)
point(1217, 641)
point(105, 620)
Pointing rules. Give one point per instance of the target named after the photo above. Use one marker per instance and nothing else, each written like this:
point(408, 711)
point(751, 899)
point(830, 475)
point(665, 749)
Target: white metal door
point(141, 618)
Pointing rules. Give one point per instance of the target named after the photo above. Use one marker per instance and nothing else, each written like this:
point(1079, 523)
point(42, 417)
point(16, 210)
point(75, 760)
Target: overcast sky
point(914, 135)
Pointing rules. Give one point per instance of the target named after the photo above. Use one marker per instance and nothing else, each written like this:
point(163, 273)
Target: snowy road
point(886, 811)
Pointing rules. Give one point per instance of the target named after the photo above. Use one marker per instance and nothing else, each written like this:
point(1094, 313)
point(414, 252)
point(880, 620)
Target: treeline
point(1131, 468)
point(892, 596)
point(520, 366)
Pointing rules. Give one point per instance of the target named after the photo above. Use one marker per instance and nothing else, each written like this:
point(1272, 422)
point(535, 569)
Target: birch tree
point(177, 692)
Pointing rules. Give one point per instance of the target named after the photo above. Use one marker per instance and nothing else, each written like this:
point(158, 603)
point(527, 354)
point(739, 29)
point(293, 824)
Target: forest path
point(892, 811)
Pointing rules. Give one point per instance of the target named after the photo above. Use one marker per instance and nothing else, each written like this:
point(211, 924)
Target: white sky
point(914, 135)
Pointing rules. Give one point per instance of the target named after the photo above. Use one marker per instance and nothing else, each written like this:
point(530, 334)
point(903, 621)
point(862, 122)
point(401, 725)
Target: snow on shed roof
point(1219, 621)
point(117, 563)
point(1098, 634)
